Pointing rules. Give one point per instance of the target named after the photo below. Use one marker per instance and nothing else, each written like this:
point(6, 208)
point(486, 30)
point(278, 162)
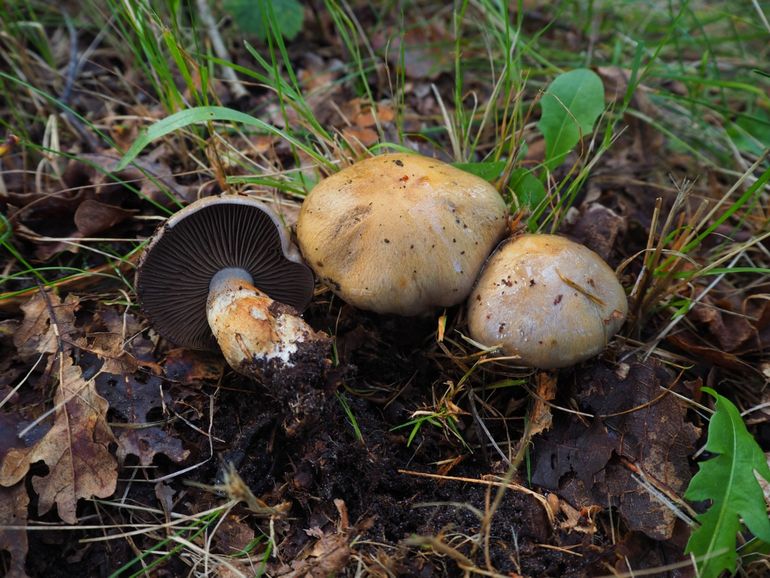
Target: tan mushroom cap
point(400, 233)
point(547, 300)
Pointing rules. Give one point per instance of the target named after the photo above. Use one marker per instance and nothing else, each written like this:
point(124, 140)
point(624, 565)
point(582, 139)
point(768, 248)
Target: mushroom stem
point(259, 337)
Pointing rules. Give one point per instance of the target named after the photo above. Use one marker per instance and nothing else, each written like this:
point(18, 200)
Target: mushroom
point(223, 271)
point(546, 300)
point(400, 233)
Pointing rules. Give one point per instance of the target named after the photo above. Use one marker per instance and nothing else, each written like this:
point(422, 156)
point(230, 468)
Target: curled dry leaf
point(75, 449)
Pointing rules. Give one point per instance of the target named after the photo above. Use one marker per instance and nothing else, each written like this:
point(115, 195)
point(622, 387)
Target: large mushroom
point(547, 301)
point(400, 233)
point(223, 272)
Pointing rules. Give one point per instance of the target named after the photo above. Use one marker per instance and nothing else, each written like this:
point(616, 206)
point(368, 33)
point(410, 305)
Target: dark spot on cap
point(386, 240)
point(399, 162)
point(532, 283)
point(558, 299)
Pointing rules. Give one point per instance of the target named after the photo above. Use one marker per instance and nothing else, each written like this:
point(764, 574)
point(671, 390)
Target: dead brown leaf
point(636, 421)
point(132, 397)
point(47, 323)
point(13, 512)
point(326, 557)
point(93, 217)
point(425, 50)
point(148, 173)
point(75, 449)
point(189, 367)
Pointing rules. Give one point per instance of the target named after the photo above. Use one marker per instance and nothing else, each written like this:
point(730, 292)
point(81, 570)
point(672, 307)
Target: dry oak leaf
point(75, 449)
point(13, 512)
point(39, 333)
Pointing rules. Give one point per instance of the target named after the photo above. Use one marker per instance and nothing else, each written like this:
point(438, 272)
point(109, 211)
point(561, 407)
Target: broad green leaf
point(204, 114)
point(729, 481)
point(488, 170)
point(527, 188)
point(570, 107)
point(255, 16)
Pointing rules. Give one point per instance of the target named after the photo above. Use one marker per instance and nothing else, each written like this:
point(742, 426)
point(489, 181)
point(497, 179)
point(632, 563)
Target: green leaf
point(204, 114)
point(570, 107)
point(488, 170)
point(258, 16)
point(729, 481)
point(527, 188)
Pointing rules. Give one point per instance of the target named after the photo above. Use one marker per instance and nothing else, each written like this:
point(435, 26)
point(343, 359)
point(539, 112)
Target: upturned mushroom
point(400, 233)
point(223, 272)
point(547, 301)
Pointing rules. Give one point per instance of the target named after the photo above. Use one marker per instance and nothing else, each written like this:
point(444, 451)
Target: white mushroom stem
point(255, 333)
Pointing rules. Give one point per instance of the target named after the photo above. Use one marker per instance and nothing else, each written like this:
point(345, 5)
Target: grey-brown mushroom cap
point(400, 233)
point(547, 300)
point(205, 237)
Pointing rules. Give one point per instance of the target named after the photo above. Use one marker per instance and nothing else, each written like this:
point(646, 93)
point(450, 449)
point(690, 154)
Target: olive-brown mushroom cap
point(547, 300)
point(400, 233)
point(207, 236)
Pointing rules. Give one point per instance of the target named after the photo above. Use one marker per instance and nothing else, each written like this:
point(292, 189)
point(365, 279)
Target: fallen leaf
point(153, 177)
point(598, 227)
point(692, 344)
point(39, 332)
point(93, 217)
point(639, 432)
point(189, 367)
point(233, 536)
point(424, 51)
point(75, 449)
point(13, 512)
point(359, 138)
point(132, 397)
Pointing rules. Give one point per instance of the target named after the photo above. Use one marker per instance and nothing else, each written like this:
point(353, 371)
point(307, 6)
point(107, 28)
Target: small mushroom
point(546, 300)
point(400, 233)
point(222, 271)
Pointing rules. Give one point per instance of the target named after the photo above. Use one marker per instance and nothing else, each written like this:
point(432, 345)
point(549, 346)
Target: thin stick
point(236, 87)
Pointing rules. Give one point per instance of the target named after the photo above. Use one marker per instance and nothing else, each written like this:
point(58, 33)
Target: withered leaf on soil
point(39, 333)
point(109, 347)
point(424, 50)
point(75, 449)
point(129, 380)
point(13, 512)
point(585, 463)
point(152, 176)
point(93, 217)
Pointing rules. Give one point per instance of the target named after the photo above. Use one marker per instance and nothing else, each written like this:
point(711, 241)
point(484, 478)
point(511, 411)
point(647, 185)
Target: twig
point(236, 86)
